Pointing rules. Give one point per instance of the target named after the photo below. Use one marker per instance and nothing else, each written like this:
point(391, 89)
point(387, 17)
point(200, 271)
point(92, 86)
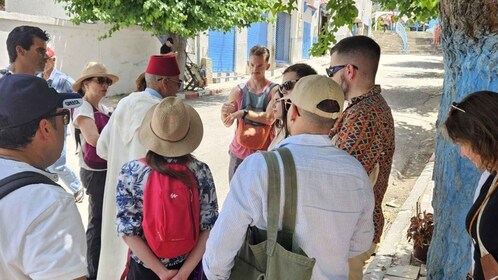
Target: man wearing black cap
point(41, 233)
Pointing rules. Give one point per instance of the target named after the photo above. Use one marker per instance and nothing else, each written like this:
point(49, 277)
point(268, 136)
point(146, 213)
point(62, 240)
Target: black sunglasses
point(66, 116)
point(104, 80)
point(289, 85)
point(334, 69)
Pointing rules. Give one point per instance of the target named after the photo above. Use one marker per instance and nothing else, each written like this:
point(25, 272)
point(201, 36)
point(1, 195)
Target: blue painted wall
point(282, 39)
point(257, 34)
point(470, 65)
point(221, 50)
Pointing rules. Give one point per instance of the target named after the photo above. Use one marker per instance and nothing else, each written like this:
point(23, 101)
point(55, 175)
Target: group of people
point(153, 210)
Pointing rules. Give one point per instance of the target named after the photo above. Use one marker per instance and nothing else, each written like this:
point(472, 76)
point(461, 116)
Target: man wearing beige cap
point(335, 200)
point(118, 144)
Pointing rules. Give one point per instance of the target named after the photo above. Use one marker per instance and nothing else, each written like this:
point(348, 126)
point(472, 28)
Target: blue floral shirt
point(129, 200)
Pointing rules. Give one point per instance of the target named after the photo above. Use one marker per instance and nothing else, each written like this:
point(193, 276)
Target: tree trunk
point(181, 48)
point(469, 37)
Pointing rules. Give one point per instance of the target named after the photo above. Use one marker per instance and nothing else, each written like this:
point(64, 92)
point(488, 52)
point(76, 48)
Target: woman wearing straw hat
point(171, 131)
point(89, 120)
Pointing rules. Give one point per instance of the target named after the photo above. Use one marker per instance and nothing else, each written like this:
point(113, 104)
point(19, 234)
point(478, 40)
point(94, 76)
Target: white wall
point(240, 50)
point(37, 7)
point(125, 54)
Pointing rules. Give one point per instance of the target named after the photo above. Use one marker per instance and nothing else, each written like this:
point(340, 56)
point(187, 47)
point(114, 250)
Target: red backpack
point(171, 213)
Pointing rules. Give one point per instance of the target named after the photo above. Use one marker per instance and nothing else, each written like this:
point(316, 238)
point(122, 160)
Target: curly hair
point(474, 121)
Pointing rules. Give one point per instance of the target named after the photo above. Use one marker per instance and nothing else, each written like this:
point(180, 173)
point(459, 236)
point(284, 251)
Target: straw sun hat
point(171, 128)
point(93, 70)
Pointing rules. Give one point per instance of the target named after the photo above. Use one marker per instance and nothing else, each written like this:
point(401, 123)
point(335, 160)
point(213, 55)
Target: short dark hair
point(301, 70)
point(359, 46)
point(474, 121)
point(23, 36)
point(260, 50)
point(21, 136)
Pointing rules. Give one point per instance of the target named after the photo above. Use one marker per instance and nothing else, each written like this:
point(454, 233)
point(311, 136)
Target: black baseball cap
point(25, 98)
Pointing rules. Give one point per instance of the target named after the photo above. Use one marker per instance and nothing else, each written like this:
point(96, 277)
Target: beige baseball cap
point(311, 92)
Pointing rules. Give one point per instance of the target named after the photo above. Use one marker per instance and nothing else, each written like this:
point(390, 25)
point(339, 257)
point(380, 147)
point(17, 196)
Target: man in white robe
point(118, 144)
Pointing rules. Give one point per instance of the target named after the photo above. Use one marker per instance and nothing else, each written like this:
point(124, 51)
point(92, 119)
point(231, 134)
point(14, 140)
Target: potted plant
point(420, 231)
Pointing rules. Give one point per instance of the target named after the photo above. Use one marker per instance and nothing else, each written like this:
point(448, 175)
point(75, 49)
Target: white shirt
point(334, 208)
point(119, 144)
point(86, 110)
point(41, 233)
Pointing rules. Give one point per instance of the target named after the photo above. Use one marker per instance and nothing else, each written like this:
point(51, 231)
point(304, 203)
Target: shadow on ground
point(401, 98)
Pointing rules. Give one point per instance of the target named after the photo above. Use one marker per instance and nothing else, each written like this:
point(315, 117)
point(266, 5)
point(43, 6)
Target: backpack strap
point(21, 179)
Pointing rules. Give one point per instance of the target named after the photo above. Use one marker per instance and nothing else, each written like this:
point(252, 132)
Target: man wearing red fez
point(118, 143)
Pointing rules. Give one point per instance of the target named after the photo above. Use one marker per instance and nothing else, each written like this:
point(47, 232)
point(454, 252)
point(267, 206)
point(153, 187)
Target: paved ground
point(411, 84)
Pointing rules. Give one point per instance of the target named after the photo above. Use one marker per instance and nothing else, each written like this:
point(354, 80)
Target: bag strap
point(479, 209)
point(21, 179)
point(273, 201)
point(482, 249)
point(290, 182)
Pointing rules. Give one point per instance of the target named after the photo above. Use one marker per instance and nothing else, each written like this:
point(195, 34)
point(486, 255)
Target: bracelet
point(245, 114)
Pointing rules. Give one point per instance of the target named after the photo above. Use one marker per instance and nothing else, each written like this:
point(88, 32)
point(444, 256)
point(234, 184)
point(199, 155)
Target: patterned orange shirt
point(366, 131)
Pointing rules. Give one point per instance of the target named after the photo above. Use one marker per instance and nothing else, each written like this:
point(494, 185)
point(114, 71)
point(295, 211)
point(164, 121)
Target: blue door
point(306, 40)
point(257, 34)
point(282, 38)
point(221, 50)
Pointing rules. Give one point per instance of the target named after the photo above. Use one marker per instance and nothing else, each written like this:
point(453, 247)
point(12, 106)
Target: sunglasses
point(286, 103)
point(334, 69)
point(66, 116)
point(289, 85)
point(103, 80)
point(454, 105)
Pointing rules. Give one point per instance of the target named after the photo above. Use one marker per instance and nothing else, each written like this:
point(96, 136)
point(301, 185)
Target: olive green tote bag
point(272, 254)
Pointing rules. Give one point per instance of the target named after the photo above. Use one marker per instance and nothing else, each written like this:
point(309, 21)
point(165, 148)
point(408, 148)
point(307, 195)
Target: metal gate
point(257, 34)
point(282, 41)
point(221, 50)
point(306, 40)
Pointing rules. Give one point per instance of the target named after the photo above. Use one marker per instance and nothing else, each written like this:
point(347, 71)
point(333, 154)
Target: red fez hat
point(163, 65)
point(50, 52)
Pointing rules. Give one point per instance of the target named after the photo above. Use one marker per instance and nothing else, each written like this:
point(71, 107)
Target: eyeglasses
point(454, 105)
point(288, 85)
point(179, 83)
point(103, 80)
point(66, 116)
point(287, 103)
point(334, 69)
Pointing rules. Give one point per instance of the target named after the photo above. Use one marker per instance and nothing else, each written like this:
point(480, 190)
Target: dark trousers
point(94, 183)
point(139, 272)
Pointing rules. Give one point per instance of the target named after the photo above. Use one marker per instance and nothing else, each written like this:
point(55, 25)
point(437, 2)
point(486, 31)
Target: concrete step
point(418, 42)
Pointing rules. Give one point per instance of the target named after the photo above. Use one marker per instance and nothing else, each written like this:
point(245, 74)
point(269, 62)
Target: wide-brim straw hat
point(171, 128)
point(92, 70)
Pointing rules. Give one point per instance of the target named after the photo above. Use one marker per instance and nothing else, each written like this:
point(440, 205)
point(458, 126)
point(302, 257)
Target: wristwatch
point(245, 114)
